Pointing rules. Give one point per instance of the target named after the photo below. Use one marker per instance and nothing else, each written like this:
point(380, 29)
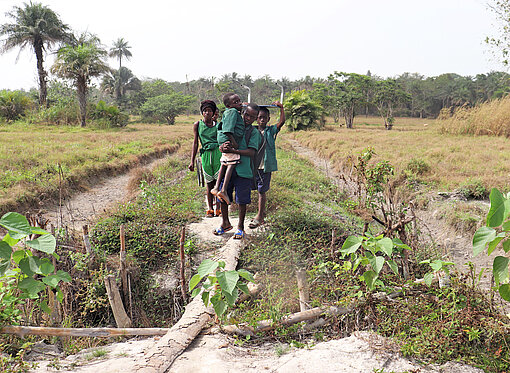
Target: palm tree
point(80, 61)
point(35, 26)
point(118, 82)
point(120, 49)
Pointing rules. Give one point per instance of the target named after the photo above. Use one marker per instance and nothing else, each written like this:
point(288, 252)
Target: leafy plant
point(18, 265)
point(496, 232)
point(166, 107)
point(302, 111)
point(221, 287)
point(13, 104)
point(437, 266)
point(109, 114)
point(366, 251)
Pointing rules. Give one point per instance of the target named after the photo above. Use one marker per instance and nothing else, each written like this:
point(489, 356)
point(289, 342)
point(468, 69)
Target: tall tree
point(118, 82)
point(35, 26)
point(79, 62)
point(120, 49)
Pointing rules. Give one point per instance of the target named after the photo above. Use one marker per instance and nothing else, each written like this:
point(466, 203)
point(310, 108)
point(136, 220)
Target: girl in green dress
point(206, 131)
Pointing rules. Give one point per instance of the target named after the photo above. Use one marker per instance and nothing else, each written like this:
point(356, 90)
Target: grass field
point(445, 161)
point(30, 155)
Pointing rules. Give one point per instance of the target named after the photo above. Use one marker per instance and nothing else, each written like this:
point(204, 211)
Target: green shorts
point(211, 164)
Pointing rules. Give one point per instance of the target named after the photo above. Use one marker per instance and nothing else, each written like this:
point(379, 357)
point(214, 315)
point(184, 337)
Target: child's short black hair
point(227, 97)
point(208, 104)
point(265, 110)
point(254, 107)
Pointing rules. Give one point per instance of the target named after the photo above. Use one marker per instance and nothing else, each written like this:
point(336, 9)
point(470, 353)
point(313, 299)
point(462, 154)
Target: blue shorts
point(263, 181)
point(242, 187)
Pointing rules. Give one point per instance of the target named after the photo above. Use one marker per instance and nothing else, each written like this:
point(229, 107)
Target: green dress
point(209, 152)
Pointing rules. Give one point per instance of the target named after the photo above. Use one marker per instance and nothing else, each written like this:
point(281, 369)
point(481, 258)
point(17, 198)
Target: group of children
point(229, 150)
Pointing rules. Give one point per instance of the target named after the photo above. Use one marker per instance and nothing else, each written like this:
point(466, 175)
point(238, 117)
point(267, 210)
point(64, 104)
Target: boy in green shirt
point(269, 163)
point(231, 129)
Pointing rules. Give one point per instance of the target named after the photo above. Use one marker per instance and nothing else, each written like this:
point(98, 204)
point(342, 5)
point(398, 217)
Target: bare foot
point(223, 197)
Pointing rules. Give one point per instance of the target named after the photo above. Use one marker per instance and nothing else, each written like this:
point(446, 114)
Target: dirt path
point(81, 208)
point(215, 352)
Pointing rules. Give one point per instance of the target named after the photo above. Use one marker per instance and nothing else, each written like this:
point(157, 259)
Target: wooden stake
point(86, 239)
point(183, 264)
point(304, 296)
point(332, 245)
point(80, 332)
point(123, 270)
point(121, 318)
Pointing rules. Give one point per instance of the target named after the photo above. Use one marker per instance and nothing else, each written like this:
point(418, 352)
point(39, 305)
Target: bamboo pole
point(121, 318)
point(21, 331)
point(304, 295)
point(183, 263)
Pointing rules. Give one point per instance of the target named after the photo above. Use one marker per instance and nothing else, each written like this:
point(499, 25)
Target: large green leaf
point(9, 240)
point(16, 224)
point(5, 251)
point(194, 281)
point(494, 243)
point(506, 245)
point(207, 266)
point(51, 280)
point(38, 230)
point(498, 211)
point(227, 280)
point(386, 246)
point(500, 269)
point(246, 275)
point(428, 278)
point(29, 265)
point(369, 277)
point(205, 298)
point(377, 262)
point(64, 276)
point(482, 237)
point(351, 244)
point(18, 255)
point(219, 304)
point(33, 287)
point(243, 287)
point(45, 243)
point(504, 291)
point(4, 266)
point(393, 266)
point(231, 298)
point(506, 226)
point(46, 267)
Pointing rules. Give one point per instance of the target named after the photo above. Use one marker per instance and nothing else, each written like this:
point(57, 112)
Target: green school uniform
point(243, 169)
point(270, 163)
point(209, 152)
point(231, 122)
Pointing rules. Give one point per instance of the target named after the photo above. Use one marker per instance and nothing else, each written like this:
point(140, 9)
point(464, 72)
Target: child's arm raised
point(194, 147)
point(281, 122)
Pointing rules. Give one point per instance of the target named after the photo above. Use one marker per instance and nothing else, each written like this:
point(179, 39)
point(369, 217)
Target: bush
point(60, 114)
point(474, 189)
point(417, 166)
point(303, 112)
point(109, 115)
point(13, 105)
point(165, 108)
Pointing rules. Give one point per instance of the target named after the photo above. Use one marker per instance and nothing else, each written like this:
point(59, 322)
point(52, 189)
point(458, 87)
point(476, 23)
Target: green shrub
point(474, 189)
point(303, 112)
point(417, 166)
point(13, 104)
point(109, 115)
point(59, 114)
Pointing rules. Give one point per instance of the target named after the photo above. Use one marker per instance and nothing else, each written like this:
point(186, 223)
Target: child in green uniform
point(230, 129)
point(206, 131)
point(269, 163)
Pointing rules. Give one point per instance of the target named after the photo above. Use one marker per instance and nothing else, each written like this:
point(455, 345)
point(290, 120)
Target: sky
point(178, 40)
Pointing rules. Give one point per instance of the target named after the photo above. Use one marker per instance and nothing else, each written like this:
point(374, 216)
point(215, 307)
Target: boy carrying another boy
point(231, 129)
point(269, 164)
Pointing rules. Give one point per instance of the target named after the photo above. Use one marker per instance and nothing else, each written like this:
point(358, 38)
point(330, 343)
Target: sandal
point(254, 223)
point(209, 214)
point(239, 234)
point(220, 230)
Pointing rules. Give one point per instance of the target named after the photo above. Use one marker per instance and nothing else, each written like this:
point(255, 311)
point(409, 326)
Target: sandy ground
point(215, 352)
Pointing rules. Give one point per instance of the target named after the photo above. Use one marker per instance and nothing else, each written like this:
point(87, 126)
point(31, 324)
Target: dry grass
point(452, 160)
point(490, 118)
point(30, 155)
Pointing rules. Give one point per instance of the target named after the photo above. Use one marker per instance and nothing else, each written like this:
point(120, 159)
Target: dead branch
point(22, 331)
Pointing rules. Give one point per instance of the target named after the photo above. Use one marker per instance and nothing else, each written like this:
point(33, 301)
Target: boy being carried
point(269, 164)
point(230, 129)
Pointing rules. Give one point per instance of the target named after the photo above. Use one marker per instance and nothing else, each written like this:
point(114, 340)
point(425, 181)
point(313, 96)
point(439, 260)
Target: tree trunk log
point(121, 317)
point(304, 296)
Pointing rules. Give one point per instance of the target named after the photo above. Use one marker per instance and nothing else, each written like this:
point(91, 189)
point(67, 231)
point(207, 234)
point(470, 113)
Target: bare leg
point(242, 215)
point(210, 197)
point(225, 222)
point(222, 194)
point(221, 173)
point(262, 208)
